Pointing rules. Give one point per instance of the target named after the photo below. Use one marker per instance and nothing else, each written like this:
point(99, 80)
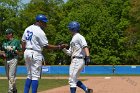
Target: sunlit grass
point(44, 84)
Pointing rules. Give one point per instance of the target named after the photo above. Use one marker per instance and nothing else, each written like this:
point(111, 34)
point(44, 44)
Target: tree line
point(111, 27)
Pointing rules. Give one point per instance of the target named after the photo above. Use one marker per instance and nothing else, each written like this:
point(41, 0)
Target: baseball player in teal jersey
point(79, 53)
point(33, 41)
point(11, 47)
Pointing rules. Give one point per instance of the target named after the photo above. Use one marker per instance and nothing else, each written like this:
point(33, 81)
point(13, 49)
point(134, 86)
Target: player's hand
point(9, 48)
point(2, 54)
point(12, 50)
point(87, 60)
point(62, 46)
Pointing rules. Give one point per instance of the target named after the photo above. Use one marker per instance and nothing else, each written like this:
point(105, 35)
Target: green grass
point(44, 84)
point(60, 75)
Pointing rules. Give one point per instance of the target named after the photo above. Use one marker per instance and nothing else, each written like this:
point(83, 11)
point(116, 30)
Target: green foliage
point(102, 24)
point(111, 27)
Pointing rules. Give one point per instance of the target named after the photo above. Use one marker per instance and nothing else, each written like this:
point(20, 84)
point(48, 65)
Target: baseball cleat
point(89, 91)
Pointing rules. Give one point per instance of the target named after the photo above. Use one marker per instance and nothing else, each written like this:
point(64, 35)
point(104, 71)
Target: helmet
point(74, 26)
point(41, 17)
point(9, 31)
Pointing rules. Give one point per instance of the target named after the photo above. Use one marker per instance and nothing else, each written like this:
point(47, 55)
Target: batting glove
point(87, 60)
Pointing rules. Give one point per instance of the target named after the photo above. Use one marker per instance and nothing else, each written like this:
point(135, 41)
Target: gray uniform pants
point(76, 67)
point(10, 67)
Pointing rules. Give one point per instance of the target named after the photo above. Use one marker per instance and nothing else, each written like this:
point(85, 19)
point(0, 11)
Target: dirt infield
point(102, 84)
point(113, 84)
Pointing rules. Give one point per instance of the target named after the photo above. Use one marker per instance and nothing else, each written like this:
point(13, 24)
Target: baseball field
point(100, 84)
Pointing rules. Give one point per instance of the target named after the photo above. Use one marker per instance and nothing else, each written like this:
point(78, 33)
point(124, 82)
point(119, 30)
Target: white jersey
point(77, 44)
point(35, 38)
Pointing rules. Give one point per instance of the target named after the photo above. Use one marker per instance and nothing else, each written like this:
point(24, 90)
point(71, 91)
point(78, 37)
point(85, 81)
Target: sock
point(34, 86)
point(73, 90)
point(27, 85)
point(81, 85)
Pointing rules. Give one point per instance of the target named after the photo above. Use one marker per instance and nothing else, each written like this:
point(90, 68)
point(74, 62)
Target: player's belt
point(29, 48)
point(77, 57)
point(34, 50)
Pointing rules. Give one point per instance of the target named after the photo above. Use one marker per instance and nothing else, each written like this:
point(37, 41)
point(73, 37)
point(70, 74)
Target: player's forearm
point(52, 47)
point(86, 51)
point(23, 46)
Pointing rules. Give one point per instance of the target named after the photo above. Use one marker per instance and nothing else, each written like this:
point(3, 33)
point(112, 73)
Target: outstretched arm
point(52, 46)
point(61, 46)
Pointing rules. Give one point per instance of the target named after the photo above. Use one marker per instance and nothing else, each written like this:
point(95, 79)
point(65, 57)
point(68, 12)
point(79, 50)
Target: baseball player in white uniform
point(79, 53)
point(33, 41)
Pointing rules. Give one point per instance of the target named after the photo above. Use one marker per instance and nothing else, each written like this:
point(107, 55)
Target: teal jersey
point(14, 44)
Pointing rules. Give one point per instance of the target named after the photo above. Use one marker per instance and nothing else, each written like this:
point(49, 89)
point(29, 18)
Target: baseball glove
point(2, 52)
point(87, 60)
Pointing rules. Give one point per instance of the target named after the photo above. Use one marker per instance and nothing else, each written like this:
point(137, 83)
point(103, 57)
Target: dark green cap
point(9, 31)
